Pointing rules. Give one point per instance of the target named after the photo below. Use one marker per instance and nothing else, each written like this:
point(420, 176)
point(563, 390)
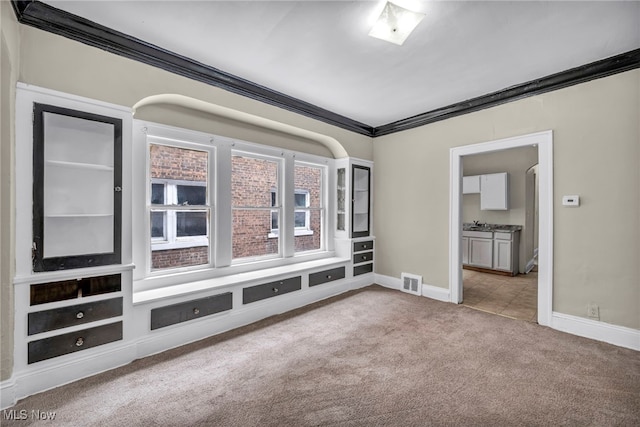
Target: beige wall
point(596, 155)
point(9, 68)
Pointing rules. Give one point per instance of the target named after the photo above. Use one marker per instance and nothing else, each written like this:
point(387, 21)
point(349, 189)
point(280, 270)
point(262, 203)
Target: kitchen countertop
point(502, 228)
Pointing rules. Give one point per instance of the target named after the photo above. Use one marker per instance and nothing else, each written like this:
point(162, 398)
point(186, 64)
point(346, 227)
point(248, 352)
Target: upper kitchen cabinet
point(471, 184)
point(494, 191)
point(77, 181)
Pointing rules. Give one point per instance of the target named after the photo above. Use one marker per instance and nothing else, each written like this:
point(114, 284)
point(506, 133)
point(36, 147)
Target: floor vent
point(411, 283)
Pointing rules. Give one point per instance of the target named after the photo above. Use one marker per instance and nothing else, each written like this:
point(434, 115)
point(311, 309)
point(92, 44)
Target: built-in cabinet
point(353, 198)
point(72, 288)
point(77, 188)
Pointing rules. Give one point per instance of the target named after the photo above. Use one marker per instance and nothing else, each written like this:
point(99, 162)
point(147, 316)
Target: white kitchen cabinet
point(471, 184)
point(481, 252)
point(506, 252)
point(502, 255)
point(494, 191)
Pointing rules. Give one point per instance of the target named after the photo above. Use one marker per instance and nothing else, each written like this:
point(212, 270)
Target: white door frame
point(544, 141)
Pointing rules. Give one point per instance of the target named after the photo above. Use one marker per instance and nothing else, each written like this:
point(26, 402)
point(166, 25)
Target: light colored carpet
point(373, 357)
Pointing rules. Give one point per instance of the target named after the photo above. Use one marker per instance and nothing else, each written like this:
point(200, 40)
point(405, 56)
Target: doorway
point(507, 285)
point(544, 141)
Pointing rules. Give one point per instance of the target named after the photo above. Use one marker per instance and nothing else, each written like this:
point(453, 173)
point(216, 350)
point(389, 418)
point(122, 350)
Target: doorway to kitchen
point(543, 141)
point(499, 273)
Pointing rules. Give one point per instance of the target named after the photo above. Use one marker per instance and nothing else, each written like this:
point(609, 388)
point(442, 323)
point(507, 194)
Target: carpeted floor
point(373, 357)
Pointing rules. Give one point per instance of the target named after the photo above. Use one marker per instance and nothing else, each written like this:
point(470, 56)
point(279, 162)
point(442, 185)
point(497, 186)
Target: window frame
point(171, 240)
point(220, 151)
point(298, 231)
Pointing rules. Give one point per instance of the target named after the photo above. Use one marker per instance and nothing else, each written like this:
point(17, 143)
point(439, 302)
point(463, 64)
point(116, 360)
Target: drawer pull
point(328, 276)
point(79, 342)
point(364, 246)
point(79, 315)
point(196, 311)
point(364, 257)
point(275, 290)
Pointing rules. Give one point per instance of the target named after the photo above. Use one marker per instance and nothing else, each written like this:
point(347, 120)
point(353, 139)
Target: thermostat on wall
point(572, 201)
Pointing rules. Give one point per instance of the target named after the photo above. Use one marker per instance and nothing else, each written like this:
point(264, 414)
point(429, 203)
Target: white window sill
point(297, 233)
point(221, 282)
point(179, 244)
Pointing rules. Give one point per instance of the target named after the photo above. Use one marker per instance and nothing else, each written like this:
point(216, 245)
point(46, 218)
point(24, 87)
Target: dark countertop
point(501, 228)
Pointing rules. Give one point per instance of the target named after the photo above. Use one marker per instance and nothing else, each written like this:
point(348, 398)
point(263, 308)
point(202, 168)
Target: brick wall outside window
point(251, 227)
point(173, 163)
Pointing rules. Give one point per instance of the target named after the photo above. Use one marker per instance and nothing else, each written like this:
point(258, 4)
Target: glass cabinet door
point(77, 198)
point(361, 201)
point(342, 194)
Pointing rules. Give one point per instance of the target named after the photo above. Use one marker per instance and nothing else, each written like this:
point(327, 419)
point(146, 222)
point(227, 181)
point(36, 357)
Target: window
point(309, 208)
point(256, 209)
point(301, 221)
point(209, 207)
point(178, 207)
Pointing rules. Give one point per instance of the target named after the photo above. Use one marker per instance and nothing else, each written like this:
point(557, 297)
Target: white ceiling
point(319, 51)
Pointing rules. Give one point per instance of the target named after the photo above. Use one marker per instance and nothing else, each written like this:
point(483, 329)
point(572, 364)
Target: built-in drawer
point(184, 311)
point(362, 269)
point(502, 236)
point(59, 345)
point(363, 246)
point(48, 320)
point(326, 276)
point(70, 289)
point(273, 289)
point(362, 257)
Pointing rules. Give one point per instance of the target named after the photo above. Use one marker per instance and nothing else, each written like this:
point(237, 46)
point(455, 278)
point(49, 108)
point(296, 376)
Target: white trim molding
point(331, 143)
point(596, 330)
point(544, 142)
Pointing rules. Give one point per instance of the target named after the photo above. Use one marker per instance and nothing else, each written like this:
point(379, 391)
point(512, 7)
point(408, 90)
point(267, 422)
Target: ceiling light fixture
point(395, 23)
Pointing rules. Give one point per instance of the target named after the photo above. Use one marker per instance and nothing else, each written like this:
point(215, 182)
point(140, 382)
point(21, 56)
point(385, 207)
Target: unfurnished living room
point(320, 213)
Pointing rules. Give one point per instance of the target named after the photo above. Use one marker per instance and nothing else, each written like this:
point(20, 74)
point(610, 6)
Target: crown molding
point(595, 70)
point(47, 18)
point(53, 20)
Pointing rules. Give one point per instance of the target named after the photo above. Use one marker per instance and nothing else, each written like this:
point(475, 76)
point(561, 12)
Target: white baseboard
point(8, 395)
point(388, 281)
point(595, 330)
point(429, 291)
point(36, 380)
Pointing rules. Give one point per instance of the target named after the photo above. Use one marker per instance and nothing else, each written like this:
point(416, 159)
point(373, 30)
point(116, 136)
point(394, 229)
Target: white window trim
point(221, 263)
point(297, 231)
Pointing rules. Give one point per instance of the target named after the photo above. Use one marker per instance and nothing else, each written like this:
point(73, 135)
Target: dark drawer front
point(363, 257)
point(326, 276)
point(181, 312)
point(362, 269)
point(70, 289)
point(363, 246)
point(74, 341)
point(101, 285)
point(48, 320)
point(273, 289)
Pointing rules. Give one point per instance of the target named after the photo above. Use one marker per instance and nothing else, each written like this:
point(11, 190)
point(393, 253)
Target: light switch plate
point(571, 201)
